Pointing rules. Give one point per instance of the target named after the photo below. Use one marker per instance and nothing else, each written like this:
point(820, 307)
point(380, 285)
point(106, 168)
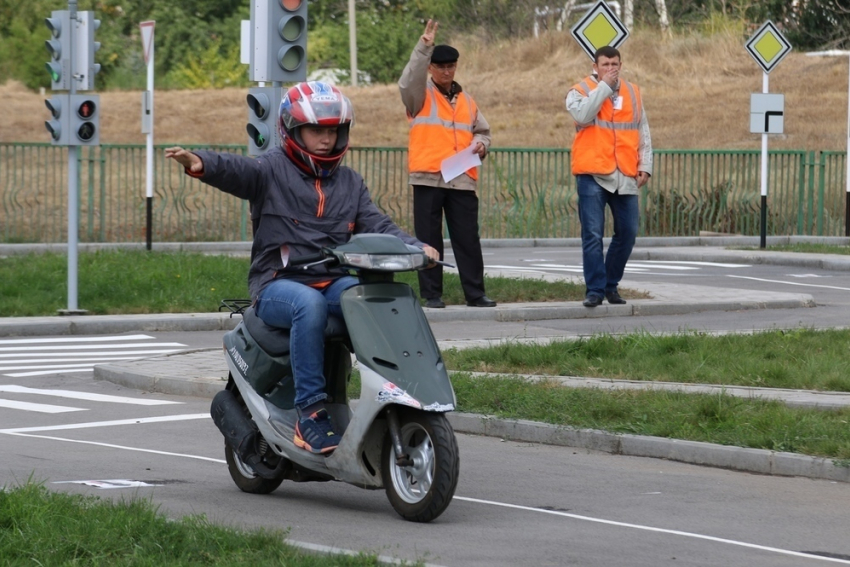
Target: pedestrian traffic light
point(83, 67)
point(59, 47)
point(279, 41)
point(84, 120)
point(262, 126)
point(58, 123)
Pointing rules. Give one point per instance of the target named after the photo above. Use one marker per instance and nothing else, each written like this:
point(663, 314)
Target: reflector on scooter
point(387, 262)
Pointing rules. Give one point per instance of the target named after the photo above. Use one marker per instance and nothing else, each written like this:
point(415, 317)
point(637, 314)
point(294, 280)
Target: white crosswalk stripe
point(22, 358)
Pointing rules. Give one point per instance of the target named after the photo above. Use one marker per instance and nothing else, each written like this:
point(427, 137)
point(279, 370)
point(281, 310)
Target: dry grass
point(696, 92)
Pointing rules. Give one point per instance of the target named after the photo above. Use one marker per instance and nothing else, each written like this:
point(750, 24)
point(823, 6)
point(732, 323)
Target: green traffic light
point(55, 71)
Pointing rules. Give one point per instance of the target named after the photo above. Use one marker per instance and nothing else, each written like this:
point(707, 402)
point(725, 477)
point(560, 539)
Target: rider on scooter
point(302, 200)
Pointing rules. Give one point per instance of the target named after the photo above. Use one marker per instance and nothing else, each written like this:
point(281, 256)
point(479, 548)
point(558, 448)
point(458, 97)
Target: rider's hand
point(187, 159)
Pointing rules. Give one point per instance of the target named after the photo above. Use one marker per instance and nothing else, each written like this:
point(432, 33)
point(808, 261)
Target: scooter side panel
point(271, 377)
point(392, 337)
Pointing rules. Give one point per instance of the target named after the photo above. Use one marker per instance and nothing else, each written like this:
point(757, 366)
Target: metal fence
point(523, 193)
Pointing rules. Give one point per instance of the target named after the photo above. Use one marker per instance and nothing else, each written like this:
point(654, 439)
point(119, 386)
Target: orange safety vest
point(440, 130)
point(611, 141)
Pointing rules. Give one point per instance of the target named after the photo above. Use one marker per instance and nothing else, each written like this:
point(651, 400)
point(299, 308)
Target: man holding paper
point(448, 138)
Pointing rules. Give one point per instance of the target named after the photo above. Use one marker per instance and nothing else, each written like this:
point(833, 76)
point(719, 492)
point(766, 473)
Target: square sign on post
point(598, 28)
point(768, 47)
point(767, 113)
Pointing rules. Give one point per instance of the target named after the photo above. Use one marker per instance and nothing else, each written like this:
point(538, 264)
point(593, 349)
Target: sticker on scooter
point(390, 393)
point(440, 408)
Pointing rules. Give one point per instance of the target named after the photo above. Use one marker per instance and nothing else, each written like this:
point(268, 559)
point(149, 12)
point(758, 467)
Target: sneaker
point(435, 303)
point(315, 433)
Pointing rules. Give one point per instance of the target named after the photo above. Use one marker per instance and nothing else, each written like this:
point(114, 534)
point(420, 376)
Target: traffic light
point(83, 67)
point(262, 126)
point(279, 40)
point(84, 127)
point(58, 123)
point(59, 47)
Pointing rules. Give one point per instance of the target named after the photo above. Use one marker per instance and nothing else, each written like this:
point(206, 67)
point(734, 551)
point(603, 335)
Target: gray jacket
point(296, 212)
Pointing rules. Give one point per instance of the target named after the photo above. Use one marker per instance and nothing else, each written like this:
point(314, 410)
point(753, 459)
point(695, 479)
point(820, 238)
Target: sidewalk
point(202, 372)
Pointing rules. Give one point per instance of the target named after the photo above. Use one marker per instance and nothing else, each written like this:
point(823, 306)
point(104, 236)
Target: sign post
point(147, 126)
point(768, 47)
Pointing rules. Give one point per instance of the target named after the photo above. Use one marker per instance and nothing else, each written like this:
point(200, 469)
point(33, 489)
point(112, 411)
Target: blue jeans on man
point(602, 273)
point(304, 310)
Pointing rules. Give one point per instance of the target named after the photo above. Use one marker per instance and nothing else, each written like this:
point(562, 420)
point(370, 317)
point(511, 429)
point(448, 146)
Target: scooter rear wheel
point(245, 478)
point(422, 491)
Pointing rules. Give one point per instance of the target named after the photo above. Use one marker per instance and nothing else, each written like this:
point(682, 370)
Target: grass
point(127, 282)
point(39, 527)
point(803, 358)
point(711, 418)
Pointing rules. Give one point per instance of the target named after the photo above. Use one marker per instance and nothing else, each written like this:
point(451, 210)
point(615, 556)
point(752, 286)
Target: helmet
point(318, 104)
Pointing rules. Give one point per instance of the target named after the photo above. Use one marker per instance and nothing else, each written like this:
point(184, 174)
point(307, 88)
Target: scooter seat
point(275, 340)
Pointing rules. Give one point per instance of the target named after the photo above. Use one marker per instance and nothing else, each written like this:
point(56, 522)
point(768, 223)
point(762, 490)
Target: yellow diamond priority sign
point(768, 46)
point(598, 28)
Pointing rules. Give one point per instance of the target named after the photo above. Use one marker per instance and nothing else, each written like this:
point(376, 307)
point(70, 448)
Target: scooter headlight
point(385, 262)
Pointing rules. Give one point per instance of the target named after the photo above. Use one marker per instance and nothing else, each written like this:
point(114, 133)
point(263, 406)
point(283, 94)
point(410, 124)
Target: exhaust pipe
point(239, 433)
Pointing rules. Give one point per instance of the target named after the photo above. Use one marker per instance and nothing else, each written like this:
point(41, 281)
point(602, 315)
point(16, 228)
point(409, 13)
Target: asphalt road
point(516, 504)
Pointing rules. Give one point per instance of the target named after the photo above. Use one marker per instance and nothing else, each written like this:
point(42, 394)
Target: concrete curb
point(693, 452)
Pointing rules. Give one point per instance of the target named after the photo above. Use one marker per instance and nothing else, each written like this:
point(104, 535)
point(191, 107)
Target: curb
point(759, 461)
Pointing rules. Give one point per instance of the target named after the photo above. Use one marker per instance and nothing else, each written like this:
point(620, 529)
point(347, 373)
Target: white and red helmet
point(318, 104)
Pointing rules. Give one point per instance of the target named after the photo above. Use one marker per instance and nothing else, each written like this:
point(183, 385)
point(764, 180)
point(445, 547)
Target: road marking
point(160, 419)
point(74, 340)
point(40, 408)
point(14, 389)
point(58, 367)
point(695, 263)
point(82, 347)
point(790, 283)
point(46, 372)
point(42, 355)
point(656, 530)
point(107, 484)
point(664, 267)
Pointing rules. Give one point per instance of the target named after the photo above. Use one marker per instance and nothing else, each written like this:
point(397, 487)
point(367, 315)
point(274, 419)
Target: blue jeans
point(603, 274)
point(304, 311)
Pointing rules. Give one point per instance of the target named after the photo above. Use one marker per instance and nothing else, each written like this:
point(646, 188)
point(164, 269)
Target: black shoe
point(592, 300)
point(482, 301)
point(614, 298)
point(435, 303)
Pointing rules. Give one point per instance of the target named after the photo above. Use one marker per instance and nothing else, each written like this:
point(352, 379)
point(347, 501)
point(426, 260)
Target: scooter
point(396, 436)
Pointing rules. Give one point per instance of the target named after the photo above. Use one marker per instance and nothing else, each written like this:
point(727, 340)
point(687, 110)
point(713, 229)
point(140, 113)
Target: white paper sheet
point(465, 159)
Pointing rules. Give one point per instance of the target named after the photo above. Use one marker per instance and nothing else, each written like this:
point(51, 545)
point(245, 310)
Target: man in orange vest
point(611, 159)
point(443, 121)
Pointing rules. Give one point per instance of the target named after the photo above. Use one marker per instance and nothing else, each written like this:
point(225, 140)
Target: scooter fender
point(392, 338)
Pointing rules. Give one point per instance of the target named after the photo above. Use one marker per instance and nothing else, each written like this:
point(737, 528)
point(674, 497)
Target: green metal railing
point(523, 193)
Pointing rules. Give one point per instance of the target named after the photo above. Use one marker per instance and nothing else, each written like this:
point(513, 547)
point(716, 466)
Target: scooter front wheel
point(245, 478)
point(423, 490)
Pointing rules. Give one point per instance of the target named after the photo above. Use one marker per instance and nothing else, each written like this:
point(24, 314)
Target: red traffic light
point(86, 109)
point(291, 5)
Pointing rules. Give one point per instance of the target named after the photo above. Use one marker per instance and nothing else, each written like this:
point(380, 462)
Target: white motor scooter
point(396, 436)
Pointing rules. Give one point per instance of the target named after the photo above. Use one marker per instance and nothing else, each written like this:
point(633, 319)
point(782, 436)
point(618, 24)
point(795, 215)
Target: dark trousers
point(461, 209)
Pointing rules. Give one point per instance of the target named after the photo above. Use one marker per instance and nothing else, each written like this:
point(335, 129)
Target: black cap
point(444, 54)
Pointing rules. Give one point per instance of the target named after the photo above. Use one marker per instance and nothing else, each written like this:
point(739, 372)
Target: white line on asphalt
point(14, 389)
point(712, 264)
point(40, 408)
point(647, 265)
point(111, 446)
point(657, 530)
point(45, 372)
point(81, 347)
point(91, 362)
point(161, 419)
point(790, 283)
point(78, 355)
point(75, 339)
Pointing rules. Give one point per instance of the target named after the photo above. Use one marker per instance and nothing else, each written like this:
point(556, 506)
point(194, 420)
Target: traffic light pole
point(73, 200)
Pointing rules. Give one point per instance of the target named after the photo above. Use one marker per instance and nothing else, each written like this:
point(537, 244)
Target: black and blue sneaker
point(315, 433)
